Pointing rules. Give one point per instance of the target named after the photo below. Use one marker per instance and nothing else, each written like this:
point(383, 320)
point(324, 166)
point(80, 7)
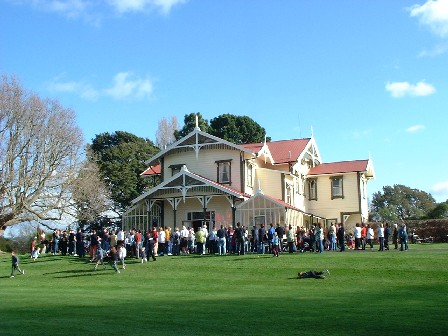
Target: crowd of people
point(238, 240)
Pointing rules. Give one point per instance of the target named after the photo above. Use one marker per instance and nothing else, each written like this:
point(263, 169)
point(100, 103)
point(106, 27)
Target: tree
point(40, 154)
point(237, 129)
point(190, 124)
point(121, 158)
point(400, 202)
point(440, 211)
point(90, 192)
point(165, 132)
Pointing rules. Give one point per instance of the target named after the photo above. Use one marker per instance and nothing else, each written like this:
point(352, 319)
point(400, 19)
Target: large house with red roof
point(205, 179)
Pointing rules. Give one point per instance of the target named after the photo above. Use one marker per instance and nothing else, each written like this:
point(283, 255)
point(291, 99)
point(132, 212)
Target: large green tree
point(190, 124)
point(233, 128)
point(121, 158)
point(237, 129)
point(400, 202)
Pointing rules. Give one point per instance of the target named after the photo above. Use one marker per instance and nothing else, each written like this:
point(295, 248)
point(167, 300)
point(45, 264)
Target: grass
point(368, 293)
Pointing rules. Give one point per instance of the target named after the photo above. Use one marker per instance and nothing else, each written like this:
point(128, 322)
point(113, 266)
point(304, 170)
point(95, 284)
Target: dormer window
point(224, 171)
point(176, 168)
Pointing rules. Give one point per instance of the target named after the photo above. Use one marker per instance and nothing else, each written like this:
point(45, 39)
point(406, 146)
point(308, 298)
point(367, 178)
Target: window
point(176, 168)
point(224, 171)
point(336, 187)
point(288, 193)
point(312, 189)
point(250, 175)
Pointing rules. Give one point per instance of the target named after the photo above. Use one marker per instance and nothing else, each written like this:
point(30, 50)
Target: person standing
point(332, 237)
point(80, 250)
point(341, 237)
point(271, 232)
point(168, 241)
point(176, 242)
point(155, 236)
point(290, 237)
point(370, 236)
point(138, 243)
point(403, 234)
point(363, 236)
point(93, 244)
point(386, 236)
point(221, 240)
point(15, 264)
point(204, 230)
point(161, 241)
point(212, 239)
point(33, 246)
point(149, 247)
point(280, 233)
point(55, 245)
point(200, 241)
point(184, 240)
point(358, 237)
point(381, 237)
point(239, 236)
point(395, 236)
point(71, 242)
point(261, 237)
point(275, 244)
point(120, 237)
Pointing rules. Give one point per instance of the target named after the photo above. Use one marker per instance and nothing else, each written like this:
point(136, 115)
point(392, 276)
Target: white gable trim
point(196, 146)
point(183, 188)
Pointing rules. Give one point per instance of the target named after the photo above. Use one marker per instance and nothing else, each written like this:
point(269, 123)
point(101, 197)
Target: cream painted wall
point(205, 164)
point(331, 208)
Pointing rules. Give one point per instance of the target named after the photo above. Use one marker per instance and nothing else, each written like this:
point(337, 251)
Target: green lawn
point(367, 293)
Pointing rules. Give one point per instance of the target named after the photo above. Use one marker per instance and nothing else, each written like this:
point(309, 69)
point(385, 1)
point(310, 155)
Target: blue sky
point(369, 77)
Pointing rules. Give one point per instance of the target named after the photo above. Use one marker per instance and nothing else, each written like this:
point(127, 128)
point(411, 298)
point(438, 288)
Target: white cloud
point(440, 189)
point(415, 128)
point(85, 90)
point(436, 51)
point(128, 86)
point(163, 6)
point(401, 89)
point(357, 134)
point(433, 13)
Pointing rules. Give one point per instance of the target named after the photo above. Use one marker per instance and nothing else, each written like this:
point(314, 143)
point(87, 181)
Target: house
point(205, 179)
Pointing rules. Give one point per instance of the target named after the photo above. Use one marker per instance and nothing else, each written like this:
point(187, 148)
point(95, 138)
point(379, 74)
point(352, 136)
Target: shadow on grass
point(80, 273)
point(240, 315)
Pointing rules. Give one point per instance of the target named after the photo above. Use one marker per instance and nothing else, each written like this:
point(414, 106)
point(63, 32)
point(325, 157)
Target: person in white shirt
point(184, 233)
point(381, 237)
point(205, 231)
point(357, 234)
point(161, 240)
point(370, 236)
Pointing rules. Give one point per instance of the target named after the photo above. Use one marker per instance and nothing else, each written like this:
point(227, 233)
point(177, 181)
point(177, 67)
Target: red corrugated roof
point(152, 170)
point(282, 151)
point(339, 167)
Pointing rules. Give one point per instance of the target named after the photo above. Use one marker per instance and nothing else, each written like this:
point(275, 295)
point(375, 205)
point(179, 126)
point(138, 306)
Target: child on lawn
point(15, 264)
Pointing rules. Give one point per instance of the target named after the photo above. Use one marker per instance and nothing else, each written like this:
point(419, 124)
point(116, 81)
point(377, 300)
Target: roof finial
point(197, 121)
point(312, 132)
point(265, 139)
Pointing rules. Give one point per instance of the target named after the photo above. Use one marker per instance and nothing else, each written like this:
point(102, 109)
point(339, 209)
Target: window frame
point(175, 168)
point(340, 188)
point(312, 189)
point(219, 172)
